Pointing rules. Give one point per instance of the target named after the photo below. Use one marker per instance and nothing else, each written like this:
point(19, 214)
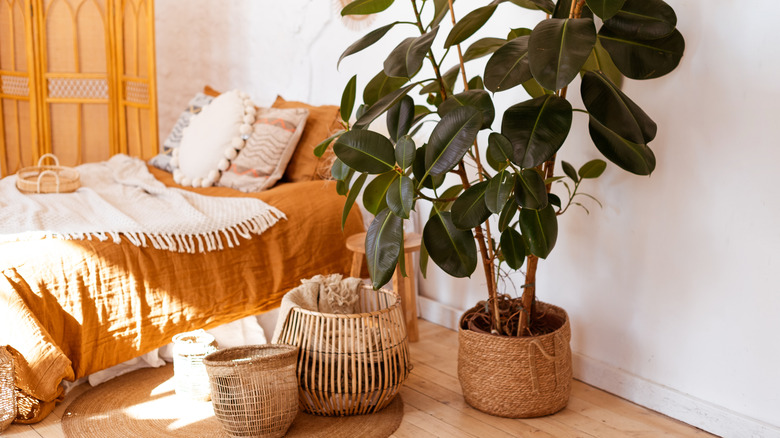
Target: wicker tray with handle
point(47, 178)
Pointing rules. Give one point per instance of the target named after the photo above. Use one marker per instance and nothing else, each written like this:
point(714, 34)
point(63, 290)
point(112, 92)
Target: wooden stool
point(405, 287)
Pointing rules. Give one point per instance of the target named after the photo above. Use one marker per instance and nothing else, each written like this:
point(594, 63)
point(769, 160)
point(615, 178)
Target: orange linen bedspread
point(74, 307)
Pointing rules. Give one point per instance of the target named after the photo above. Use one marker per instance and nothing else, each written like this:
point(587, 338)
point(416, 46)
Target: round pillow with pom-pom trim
point(212, 140)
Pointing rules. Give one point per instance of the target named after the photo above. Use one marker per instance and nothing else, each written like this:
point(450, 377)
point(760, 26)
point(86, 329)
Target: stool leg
point(405, 288)
point(357, 264)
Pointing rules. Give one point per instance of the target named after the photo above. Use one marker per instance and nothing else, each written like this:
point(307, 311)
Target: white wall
point(671, 286)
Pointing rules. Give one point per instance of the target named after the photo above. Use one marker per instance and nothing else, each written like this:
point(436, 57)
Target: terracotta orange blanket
point(74, 307)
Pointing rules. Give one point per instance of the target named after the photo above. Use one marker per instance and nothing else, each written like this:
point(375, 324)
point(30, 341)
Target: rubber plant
point(502, 211)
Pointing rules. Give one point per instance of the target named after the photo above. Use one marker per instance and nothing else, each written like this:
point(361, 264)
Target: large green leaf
point(352, 196)
point(348, 99)
point(592, 169)
point(539, 229)
point(605, 9)
point(319, 150)
point(418, 168)
point(400, 117)
point(507, 214)
point(508, 67)
point(407, 58)
point(369, 39)
point(451, 138)
point(534, 89)
point(440, 10)
point(365, 7)
point(499, 151)
point(382, 105)
point(469, 24)
point(482, 47)
point(613, 109)
point(643, 20)
point(383, 246)
point(558, 48)
point(599, 60)
point(545, 5)
point(338, 170)
point(447, 198)
point(375, 193)
point(498, 190)
point(530, 190)
point(365, 151)
point(405, 151)
point(643, 59)
point(517, 33)
point(380, 86)
point(453, 250)
point(537, 128)
point(400, 196)
point(513, 248)
point(479, 99)
point(469, 210)
point(634, 157)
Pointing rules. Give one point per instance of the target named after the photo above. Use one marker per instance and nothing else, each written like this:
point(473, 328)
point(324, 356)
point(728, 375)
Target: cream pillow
point(262, 162)
point(212, 139)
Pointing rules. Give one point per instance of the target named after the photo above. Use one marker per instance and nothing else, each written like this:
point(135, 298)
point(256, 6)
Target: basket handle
point(47, 172)
point(53, 157)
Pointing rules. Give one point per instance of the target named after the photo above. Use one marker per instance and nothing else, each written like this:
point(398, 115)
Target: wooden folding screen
point(77, 78)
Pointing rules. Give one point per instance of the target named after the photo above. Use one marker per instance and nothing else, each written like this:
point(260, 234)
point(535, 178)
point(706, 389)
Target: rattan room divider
point(77, 79)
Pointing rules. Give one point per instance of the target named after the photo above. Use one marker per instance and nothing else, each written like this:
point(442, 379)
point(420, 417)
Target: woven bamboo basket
point(517, 377)
point(354, 363)
point(189, 373)
point(48, 178)
point(254, 389)
point(7, 390)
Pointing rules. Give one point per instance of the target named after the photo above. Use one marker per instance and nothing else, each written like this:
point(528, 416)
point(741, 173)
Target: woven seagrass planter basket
point(517, 377)
point(350, 364)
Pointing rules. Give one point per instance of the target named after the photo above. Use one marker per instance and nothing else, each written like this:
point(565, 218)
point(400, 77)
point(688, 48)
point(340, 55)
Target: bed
point(75, 307)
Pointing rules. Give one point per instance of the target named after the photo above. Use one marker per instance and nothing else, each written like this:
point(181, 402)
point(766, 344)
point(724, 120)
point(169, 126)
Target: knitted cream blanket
point(119, 197)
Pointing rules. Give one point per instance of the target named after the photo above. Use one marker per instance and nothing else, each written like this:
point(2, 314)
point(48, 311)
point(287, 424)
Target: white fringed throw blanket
point(119, 197)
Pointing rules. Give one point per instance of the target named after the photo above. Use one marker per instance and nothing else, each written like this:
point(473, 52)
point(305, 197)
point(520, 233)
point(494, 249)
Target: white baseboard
point(684, 407)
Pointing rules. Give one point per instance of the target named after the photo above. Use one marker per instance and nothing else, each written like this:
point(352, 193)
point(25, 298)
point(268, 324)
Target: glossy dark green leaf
point(476, 83)
point(382, 105)
point(348, 99)
point(498, 191)
point(469, 210)
point(554, 199)
point(537, 128)
point(643, 20)
point(451, 138)
point(440, 10)
point(418, 169)
point(449, 77)
point(380, 86)
point(320, 149)
point(405, 151)
point(558, 48)
point(453, 250)
point(633, 157)
point(508, 67)
point(568, 169)
point(447, 198)
point(375, 193)
point(643, 59)
point(599, 60)
point(369, 39)
point(518, 32)
point(530, 190)
point(407, 58)
point(592, 169)
point(424, 257)
point(605, 9)
point(365, 151)
point(352, 196)
point(545, 5)
point(612, 108)
point(365, 7)
point(342, 187)
point(400, 196)
point(507, 214)
point(534, 89)
point(469, 24)
point(482, 47)
point(383, 246)
point(479, 99)
point(513, 248)
point(499, 150)
point(399, 118)
point(339, 170)
point(539, 229)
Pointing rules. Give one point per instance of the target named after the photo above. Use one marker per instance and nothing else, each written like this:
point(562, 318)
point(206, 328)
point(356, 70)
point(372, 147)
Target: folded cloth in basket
point(119, 197)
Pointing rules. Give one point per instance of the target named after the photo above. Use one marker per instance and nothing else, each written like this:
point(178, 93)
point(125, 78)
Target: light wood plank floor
point(434, 406)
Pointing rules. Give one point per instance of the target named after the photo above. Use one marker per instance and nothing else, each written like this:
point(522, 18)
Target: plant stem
point(430, 53)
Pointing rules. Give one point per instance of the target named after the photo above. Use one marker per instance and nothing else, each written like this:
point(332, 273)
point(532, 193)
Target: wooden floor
point(434, 407)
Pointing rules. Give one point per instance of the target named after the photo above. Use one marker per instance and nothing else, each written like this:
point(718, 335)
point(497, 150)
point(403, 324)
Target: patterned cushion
point(263, 160)
point(163, 159)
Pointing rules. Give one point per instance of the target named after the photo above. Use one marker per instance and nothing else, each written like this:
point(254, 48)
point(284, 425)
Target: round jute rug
point(144, 404)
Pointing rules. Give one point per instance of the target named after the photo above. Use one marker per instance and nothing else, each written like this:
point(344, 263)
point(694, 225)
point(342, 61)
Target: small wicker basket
point(48, 178)
point(189, 373)
point(254, 389)
point(7, 390)
point(350, 363)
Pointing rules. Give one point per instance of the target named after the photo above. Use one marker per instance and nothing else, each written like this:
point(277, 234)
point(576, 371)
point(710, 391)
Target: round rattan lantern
point(7, 392)
point(353, 363)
